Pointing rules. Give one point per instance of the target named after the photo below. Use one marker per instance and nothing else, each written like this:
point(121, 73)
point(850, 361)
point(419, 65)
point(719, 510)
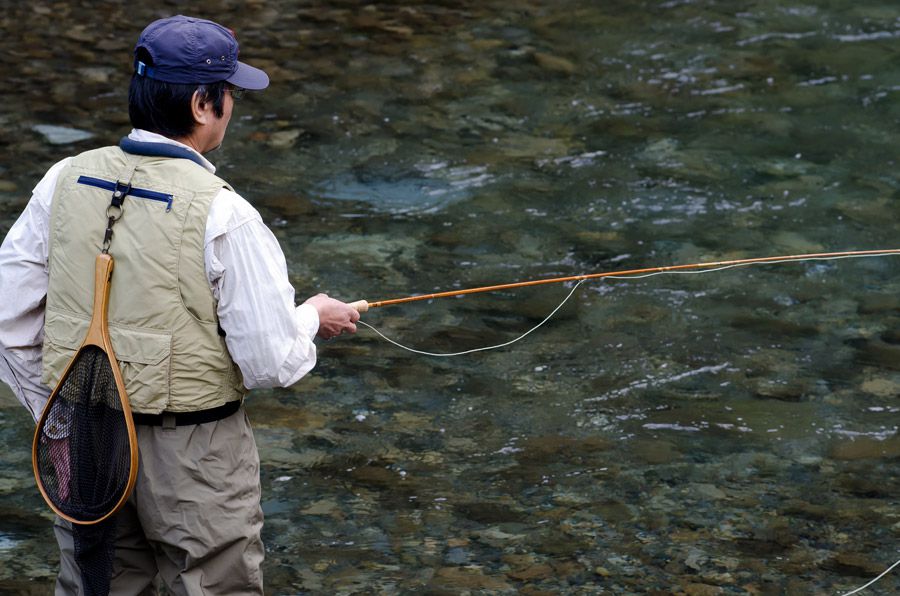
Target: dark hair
point(165, 108)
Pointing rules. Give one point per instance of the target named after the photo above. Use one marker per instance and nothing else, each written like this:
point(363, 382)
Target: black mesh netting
point(84, 460)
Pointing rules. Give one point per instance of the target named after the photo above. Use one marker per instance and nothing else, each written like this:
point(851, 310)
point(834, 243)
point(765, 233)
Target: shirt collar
point(145, 136)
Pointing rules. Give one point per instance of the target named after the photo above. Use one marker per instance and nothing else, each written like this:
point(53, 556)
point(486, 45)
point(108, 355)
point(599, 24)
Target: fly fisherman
point(201, 310)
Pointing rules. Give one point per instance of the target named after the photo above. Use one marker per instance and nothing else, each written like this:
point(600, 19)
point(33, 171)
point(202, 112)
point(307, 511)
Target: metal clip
point(114, 212)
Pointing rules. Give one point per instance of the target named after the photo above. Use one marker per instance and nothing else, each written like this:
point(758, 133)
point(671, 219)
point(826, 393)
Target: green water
point(734, 432)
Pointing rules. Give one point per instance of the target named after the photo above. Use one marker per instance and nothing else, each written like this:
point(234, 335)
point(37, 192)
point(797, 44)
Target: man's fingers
point(335, 317)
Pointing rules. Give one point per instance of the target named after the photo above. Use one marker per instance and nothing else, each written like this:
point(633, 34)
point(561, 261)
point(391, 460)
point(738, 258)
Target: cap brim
point(249, 77)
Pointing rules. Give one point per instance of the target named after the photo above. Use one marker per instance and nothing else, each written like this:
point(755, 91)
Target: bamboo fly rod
point(363, 305)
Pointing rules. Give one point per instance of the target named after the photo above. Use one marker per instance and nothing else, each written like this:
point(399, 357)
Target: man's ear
point(200, 109)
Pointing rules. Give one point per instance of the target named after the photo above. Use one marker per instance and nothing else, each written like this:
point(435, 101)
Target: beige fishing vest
point(162, 314)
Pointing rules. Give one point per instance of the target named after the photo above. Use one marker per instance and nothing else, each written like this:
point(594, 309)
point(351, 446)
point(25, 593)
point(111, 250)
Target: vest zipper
point(140, 193)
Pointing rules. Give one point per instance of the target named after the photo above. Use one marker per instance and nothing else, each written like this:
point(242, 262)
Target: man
point(201, 310)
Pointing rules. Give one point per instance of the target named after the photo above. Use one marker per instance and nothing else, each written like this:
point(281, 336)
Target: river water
point(728, 433)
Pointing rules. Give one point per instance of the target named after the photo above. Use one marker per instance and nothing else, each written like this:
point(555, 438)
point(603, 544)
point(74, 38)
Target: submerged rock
point(322, 507)
point(284, 139)
point(866, 448)
point(458, 579)
point(554, 63)
point(855, 564)
point(61, 135)
point(534, 572)
point(878, 303)
point(881, 387)
point(654, 451)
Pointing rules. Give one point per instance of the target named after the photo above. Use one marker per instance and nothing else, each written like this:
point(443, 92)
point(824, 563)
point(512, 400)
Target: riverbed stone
point(709, 491)
point(556, 64)
point(654, 451)
point(321, 507)
point(96, 74)
point(468, 578)
point(61, 135)
point(875, 303)
point(532, 573)
point(855, 564)
point(858, 448)
point(284, 139)
point(882, 387)
point(497, 537)
point(614, 511)
point(697, 589)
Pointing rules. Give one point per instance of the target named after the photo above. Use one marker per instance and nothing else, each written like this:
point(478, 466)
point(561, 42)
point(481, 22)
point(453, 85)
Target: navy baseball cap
point(189, 50)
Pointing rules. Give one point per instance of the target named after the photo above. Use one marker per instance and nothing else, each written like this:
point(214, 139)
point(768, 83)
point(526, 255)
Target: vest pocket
point(143, 356)
point(63, 335)
point(144, 361)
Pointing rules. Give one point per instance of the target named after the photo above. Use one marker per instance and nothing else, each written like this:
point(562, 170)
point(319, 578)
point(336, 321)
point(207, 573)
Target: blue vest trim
point(140, 193)
point(159, 150)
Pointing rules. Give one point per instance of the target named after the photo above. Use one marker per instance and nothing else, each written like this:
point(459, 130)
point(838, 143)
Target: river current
point(734, 432)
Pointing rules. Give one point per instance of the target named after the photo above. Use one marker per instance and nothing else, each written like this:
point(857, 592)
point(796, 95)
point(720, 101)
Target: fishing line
point(861, 588)
point(365, 305)
point(483, 349)
point(659, 271)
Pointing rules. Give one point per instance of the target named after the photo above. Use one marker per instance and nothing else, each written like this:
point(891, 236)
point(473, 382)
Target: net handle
point(98, 332)
point(97, 335)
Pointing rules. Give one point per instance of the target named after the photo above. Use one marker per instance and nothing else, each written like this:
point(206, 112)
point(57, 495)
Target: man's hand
point(335, 317)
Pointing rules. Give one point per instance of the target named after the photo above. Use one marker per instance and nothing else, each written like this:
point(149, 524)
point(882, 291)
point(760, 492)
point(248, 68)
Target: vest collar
point(158, 150)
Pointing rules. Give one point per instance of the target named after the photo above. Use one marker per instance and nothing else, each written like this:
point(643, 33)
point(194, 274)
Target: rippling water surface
point(734, 432)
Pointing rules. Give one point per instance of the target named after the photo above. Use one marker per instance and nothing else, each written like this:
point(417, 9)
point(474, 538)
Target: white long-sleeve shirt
point(269, 338)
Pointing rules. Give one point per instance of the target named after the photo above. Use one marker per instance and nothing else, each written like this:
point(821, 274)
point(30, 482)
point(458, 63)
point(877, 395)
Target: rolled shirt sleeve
point(269, 338)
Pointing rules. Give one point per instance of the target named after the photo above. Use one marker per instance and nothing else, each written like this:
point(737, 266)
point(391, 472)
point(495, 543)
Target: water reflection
point(735, 431)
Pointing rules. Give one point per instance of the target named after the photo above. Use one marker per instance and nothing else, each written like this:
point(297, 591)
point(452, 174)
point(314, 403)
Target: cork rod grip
point(360, 306)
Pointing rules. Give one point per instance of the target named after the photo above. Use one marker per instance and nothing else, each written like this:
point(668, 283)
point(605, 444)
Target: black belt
point(185, 418)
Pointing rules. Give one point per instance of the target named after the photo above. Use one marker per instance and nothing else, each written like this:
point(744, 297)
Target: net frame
point(97, 336)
